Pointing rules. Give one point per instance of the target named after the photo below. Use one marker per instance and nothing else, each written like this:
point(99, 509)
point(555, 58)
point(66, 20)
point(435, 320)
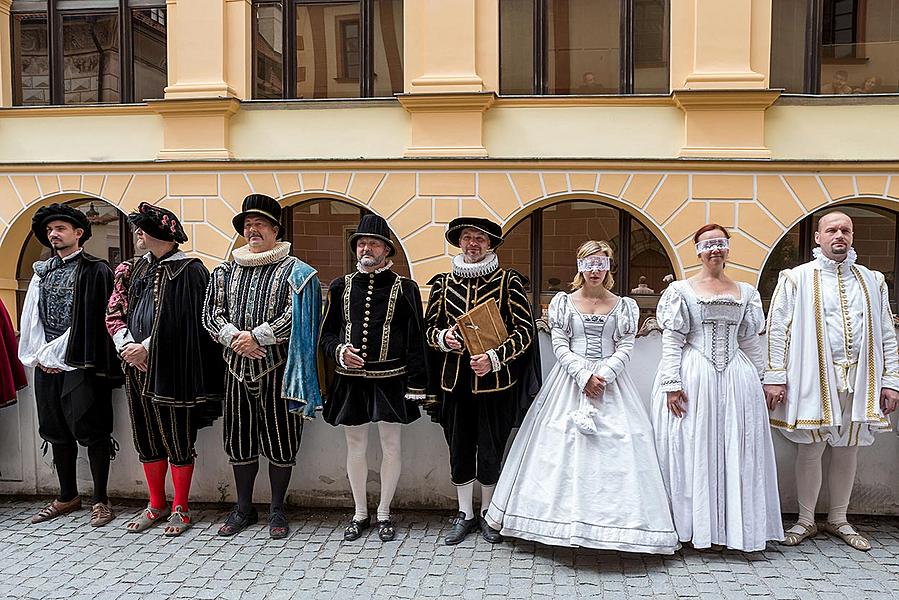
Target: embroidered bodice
point(587, 344)
point(717, 327)
point(57, 289)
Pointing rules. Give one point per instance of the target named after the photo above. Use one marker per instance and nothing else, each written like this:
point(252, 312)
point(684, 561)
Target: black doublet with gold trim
point(380, 315)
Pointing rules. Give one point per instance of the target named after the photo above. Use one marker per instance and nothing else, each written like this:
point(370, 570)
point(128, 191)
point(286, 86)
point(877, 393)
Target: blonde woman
point(583, 469)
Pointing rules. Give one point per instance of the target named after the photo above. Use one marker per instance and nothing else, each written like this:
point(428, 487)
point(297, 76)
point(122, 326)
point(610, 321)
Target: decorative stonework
point(758, 207)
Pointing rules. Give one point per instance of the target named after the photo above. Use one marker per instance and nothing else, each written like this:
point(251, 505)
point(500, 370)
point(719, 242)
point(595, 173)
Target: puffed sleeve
point(560, 331)
point(674, 318)
point(751, 326)
point(780, 321)
point(627, 315)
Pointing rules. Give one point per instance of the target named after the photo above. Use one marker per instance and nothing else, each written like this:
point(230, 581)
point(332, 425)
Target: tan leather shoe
point(101, 514)
point(57, 508)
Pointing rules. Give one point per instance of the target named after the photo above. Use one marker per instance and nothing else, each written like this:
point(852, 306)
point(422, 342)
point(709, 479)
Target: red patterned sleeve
point(117, 307)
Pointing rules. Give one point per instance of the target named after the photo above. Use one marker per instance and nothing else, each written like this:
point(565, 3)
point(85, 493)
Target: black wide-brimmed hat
point(489, 228)
point(59, 212)
point(263, 206)
point(158, 222)
point(376, 227)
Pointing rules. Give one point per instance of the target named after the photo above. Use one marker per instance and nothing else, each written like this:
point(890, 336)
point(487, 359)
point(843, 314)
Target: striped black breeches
point(160, 432)
point(257, 421)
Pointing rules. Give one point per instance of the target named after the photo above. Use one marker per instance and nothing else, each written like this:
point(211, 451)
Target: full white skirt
point(718, 460)
point(566, 488)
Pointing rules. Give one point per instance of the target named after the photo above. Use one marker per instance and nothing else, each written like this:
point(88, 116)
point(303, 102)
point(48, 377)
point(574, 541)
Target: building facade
point(634, 121)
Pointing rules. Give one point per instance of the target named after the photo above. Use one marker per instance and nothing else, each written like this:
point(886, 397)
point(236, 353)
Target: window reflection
point(327, 50)
point(148, 31)
point(91, 58)
point(583, 46)
point(31, 81)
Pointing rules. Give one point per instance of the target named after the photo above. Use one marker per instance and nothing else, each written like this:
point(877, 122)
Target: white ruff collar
point(245, 258)
point(831, 265)
point(386, 267)
point(478, 269)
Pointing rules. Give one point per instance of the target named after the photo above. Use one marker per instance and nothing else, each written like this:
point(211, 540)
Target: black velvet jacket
point(379, 314)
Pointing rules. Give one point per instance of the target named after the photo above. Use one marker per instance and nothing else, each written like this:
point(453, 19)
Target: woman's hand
point(595, 387)
point(677, 403)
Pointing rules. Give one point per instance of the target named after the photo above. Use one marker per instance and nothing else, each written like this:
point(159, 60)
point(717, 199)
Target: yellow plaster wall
point(361, 131)
point(584, 131)
point(757, 207)
point(843, 132)
point(81, 137)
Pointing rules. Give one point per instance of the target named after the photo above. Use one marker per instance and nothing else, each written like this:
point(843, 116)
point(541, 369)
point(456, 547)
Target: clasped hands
point(246, 345)
point(480, 363)
point(136, 355)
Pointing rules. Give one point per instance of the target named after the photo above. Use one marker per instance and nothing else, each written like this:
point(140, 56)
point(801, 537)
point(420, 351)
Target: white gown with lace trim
point(581, 472)
point(718, 460)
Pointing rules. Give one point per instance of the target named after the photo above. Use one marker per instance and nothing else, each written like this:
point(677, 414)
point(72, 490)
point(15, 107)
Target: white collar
point(71, 256)
point(245, 258)
point(386, 267)
point(831, 265)
point(179, 255)
point(478, 269)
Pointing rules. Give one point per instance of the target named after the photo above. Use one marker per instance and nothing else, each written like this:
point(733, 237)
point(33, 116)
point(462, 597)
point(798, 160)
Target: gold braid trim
point(797, 424)
point(819, 333)
point(870, 400)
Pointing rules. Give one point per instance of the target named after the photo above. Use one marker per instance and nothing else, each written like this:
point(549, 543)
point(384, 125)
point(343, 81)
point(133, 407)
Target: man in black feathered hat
point(250, 309)
point(75, 364)
point(373, 344)
point(174, 376)
point(482, 397)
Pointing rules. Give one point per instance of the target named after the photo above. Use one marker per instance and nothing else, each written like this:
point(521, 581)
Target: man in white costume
point(833, 371)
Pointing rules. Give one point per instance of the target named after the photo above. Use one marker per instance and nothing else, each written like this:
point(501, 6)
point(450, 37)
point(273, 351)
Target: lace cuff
point(416, 394)
point(441, 341)
point(339, 353)
point(495, 365)
point(226, 334)
point(264, 335)
point(671, 385)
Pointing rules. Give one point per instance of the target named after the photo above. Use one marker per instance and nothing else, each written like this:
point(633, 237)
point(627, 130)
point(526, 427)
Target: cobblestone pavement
point(66, 558)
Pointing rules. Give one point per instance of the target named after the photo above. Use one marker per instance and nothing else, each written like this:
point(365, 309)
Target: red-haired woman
point(709, 412)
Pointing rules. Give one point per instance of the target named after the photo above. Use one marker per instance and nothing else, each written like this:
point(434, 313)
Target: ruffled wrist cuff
point(495, 365)
point(339, 353)
point(441, 341)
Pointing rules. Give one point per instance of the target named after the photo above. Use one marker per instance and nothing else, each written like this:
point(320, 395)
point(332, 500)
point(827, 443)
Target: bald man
point(833, 371)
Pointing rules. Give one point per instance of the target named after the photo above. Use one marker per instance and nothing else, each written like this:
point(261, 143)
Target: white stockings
point(840, 478)
point(465, 493)
point(357, 466)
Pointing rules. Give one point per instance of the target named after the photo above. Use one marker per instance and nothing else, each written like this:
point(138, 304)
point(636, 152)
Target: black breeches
point(73, 406)
point(160, 432)
point(257, 421)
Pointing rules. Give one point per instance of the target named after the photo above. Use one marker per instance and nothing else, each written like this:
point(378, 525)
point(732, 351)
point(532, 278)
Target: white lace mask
point(594, 263)
point(712, 244)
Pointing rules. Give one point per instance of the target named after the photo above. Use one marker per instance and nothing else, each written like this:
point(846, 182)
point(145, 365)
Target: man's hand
point(889, 400)
point(595, 387)
point(481, 364)
point(48, 370)
point(245, 345)
point(774, 395)
point(351, 357)
point(451, 338)
point(677, 403)
point(136, 355)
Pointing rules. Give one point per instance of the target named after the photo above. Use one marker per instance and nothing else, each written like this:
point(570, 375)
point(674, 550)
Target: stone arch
point(14, 237)
point(645, 219)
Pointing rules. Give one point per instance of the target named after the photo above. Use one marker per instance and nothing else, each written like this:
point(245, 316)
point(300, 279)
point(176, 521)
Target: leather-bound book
point(482, 328)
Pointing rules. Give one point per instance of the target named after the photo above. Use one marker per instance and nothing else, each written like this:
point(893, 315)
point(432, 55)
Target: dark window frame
point(626, 60)
point(288, 45)
point(123, 12)
point(621, 264)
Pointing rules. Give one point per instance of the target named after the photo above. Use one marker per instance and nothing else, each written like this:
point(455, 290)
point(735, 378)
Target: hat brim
point(239, 218)
point(454, 233)
point(391, 249)
point(40, 232)
point(152, 228)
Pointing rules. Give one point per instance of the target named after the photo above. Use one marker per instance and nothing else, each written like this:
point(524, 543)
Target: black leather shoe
point(354, 530)
point(278, 526)
point(386, 530)
point(461, 528)
point(238, 521)
point(489, 533)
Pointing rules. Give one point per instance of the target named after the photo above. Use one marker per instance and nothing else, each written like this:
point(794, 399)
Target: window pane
point(31, 60)
point(328, 50)
point(388, 48)
point(788, 26)
point(651, 43)
point(516, 55)
point(320, 235)
point(582, 46)
point(565, 227)
point(268, 54)
point(148, 30)
point(860, 47)
point(91, 58)
point(649, 262)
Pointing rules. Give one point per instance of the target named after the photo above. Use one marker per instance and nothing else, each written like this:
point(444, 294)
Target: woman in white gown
point(709, 411)
point(582, 470)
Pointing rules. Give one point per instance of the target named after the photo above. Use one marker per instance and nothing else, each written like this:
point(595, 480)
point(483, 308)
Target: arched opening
point(875, 240)
point(111, 240)
point(319, 231)
point(543, 244)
